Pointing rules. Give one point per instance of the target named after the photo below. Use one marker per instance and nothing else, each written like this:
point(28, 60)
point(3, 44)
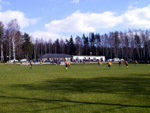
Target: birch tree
point(13, 29)
point(1, 40)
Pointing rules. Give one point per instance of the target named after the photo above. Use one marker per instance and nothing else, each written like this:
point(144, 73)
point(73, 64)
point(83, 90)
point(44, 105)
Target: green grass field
point(81, 89)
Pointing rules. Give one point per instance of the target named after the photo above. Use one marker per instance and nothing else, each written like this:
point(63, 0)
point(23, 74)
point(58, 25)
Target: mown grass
point(80, 89)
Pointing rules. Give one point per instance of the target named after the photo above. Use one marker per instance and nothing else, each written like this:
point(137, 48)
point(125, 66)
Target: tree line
point(133, 44)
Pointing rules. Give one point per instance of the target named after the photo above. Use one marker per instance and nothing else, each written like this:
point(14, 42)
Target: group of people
point(67, 65)
point(31, 63)
point(120, 64)
point(110, 64)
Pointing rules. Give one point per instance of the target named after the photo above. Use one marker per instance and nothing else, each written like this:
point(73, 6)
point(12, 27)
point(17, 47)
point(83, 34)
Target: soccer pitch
point(79, 89)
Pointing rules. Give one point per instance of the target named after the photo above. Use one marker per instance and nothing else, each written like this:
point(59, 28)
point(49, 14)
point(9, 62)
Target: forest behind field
point(130, 44)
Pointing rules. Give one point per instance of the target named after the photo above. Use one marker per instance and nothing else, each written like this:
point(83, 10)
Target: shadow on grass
point(70, 101)
point(111, 85)
point(136, 85)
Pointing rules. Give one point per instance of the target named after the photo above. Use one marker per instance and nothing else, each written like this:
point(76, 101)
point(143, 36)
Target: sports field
point(80, 89)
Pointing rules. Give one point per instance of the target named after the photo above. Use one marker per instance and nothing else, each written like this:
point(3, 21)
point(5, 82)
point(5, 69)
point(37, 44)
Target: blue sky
point(62, 18)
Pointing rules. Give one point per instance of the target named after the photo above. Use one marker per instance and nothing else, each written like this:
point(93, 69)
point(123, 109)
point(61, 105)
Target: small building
point(60, 57)
point(88, 58)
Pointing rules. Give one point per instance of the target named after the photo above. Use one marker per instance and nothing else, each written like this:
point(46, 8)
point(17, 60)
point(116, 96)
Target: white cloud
point(75, 1)
point(47, 35)
point(136, 18)
point(91, 22)
point(2, 2)
point(130, 7)
point(79, 22)
point(23, 21)
point(84, 22)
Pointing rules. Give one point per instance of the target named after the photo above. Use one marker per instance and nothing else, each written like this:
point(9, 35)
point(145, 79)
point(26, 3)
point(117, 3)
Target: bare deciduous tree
point(1, 40)
point(15, 36)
